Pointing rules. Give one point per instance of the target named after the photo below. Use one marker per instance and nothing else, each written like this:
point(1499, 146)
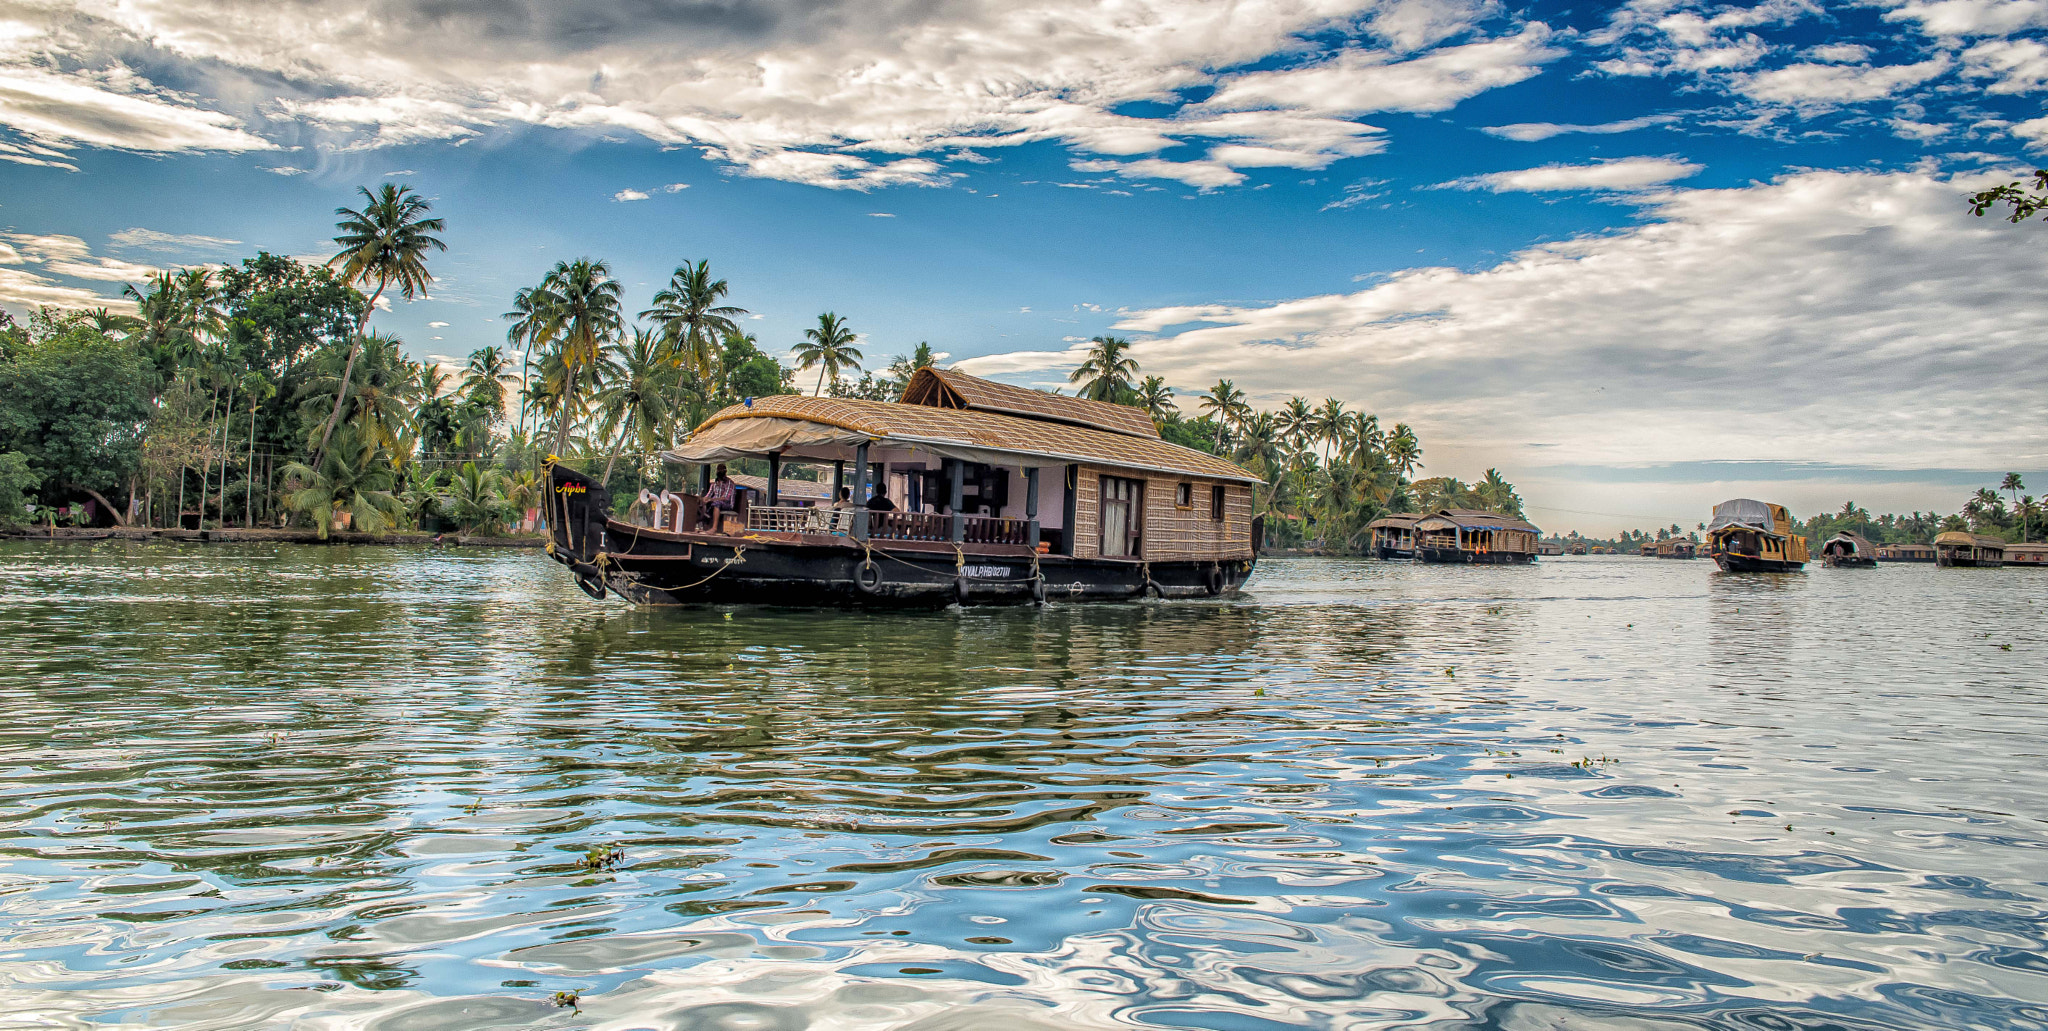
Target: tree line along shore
point(258, 394)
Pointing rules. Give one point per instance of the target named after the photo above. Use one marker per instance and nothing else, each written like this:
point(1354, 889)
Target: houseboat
point(1748, 536)
point(1677, 547)
point(1905, 553)
point(1578, 547)
point(1467, 535)
point(965, 490)
point(2035, 554)
point(1648, 550)
point(1847, 550)
point(1549, 548)
point(1393, 537)
point(1963, 548)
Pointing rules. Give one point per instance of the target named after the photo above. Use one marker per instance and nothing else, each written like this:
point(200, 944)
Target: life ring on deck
point(867, 576)
point(1213, 580)
point(594, 588)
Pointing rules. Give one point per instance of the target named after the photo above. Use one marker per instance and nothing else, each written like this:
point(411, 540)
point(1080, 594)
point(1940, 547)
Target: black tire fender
point(1214, 580)
point(594, 588)
point(867, 576)
point(960, 589)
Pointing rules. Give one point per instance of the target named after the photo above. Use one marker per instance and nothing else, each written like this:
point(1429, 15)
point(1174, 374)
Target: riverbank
point(69, 535)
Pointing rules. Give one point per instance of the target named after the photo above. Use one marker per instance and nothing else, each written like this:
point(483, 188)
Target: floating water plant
point(602, 857)
point(566, 1000)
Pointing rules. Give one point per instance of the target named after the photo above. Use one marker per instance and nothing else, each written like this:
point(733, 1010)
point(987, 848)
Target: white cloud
point(800, 92)
point(675, 187)
point(1202, 174)
point(1825, 316)
point(437, 325)
point(1530, 132)
point(402, 171)
point(880, 214)
point(284, 170)
point(152, 240)
point(1824, 86)
point(1971, 17)
point(1358, 81)
point(2034, 131)
point(1840, 53)
point(22, 290)
point(2019, 65)
point(63, 111)
point(1617, 174)
point(628, 195)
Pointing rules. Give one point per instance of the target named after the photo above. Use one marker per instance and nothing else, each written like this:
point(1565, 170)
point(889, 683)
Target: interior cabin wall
point(1169, 532)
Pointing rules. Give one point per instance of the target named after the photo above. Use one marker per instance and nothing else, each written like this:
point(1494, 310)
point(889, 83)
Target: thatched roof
point(1474, 519)
point(941, 429)
point(1397, 521)
point(944, 388)
point(1966, 539)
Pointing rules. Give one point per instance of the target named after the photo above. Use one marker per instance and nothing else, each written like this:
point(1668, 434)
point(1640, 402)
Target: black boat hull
point(1732, 563)
point(1389, 553)
point(1848, 562)
point(1457, 556)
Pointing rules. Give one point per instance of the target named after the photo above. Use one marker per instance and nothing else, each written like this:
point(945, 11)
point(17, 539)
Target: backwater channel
point(325, 788)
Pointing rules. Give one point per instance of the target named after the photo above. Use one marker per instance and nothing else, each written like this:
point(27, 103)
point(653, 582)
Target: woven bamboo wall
point(1170, 532)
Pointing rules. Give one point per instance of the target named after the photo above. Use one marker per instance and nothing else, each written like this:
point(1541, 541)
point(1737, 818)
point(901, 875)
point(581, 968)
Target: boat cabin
point(1905, 552)
point(1549, 548)
point(1847, 550)
point(970, 461)
point(1677, 547)
point(2034, 554)
point(1393, 536)
point(1961, 548)
point(1472, 535)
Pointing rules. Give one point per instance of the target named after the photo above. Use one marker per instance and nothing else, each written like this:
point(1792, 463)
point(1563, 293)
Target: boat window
point(1122, 513)
point(1184, 495)
point(1216, 503)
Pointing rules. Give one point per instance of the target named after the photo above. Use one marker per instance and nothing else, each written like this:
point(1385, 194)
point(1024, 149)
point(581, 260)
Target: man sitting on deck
point(718, 498)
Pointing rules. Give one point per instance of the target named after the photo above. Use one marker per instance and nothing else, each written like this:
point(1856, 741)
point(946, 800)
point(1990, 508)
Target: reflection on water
point(250, 787)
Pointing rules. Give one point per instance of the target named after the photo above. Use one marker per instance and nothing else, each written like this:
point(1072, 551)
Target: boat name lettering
point(571, 488)
point(988, 572)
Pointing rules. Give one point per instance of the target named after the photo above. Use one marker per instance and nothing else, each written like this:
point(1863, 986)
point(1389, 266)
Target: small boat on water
point(1905, 553)
point(1677, 547)
point(1963, 549)
point(945, 489)
point(1847, 550)
point(1393, 537)
point(1578, 547)
point(1748, 536)
point(1549, 548)
point(1467, 535)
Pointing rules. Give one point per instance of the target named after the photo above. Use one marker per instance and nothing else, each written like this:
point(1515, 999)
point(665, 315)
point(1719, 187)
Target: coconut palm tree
point(1156, 398)
point(1226, 405)
point(1329, 423)
point(581, 301)
point(828, 345)
point(2012, 484)
point(352, 478)
point(1404, 451)
point(527, 333)
point(485, 377)
point(690, 319)
point(475, 498)
point(384, 243)
point(636, 400)
point(1107, 371)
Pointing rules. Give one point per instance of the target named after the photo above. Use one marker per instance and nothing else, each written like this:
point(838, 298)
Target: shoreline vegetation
point(256, 394)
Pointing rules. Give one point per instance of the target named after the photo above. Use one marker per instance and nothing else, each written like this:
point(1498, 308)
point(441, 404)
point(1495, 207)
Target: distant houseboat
point(1648, 550)
point(1549, 548)
point(1677, 547)
point(1905, 552)
point(1847, 550)
point(2035, 554)
point(963, 464)
point(1748, 536)
point(1578, 547)
point(1393, 537)
point(1965, 549)
point(1470, 535)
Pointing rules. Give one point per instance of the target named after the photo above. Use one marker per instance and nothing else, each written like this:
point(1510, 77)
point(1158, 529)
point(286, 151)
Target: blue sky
point(1640, 257)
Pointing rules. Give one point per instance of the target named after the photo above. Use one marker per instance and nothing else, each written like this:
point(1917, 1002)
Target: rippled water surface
point(354, 788)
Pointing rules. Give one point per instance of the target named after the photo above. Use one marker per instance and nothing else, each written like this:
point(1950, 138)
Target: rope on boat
point(738, 552)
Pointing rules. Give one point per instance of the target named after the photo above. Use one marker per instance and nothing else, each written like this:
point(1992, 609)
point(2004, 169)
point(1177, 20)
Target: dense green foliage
point(74, 403)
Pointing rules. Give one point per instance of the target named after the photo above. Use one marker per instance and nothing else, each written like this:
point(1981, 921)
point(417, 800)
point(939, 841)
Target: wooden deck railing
point(796, 519)
point(933, 526)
